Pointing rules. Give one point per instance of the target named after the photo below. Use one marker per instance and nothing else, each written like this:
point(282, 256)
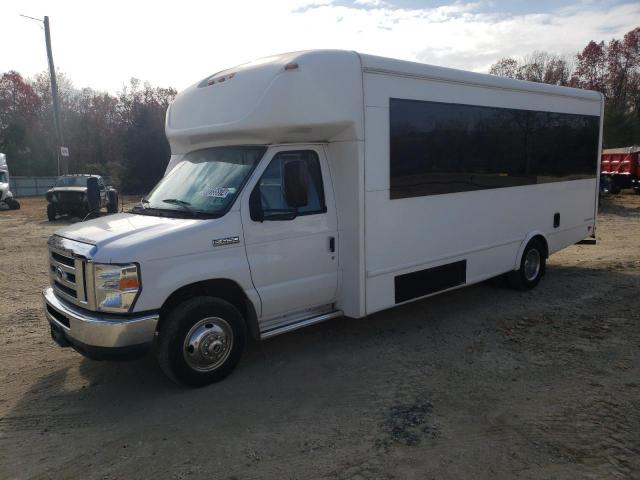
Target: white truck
point(7, 201)
point(313, 185)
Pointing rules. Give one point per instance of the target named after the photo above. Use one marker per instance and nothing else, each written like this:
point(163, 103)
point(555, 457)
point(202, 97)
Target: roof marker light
point(291, 66)
point(221, 79)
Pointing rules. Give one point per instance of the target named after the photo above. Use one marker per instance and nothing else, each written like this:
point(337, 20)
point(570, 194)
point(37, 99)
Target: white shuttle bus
point(321, 184)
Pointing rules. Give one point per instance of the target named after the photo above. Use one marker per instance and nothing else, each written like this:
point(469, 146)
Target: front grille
point(58, 316)
point(66, 273)
point(69, 291)
point(62, 259)
point(69, 197)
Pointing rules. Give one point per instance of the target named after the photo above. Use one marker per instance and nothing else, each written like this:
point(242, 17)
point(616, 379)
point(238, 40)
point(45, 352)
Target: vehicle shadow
point(332, 371)
point(610, 204)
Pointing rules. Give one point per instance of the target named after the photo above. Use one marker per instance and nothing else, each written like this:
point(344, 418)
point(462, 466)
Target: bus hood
point(126, 237)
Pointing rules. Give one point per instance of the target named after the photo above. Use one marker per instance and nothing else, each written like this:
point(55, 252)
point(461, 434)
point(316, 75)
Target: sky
point(103, 44)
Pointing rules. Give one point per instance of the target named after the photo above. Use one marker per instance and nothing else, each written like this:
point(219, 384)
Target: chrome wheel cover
point(532, 264)
point(208, 344)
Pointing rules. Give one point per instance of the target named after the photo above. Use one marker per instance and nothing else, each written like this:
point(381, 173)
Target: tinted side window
point(444, 148)
point(271, 184)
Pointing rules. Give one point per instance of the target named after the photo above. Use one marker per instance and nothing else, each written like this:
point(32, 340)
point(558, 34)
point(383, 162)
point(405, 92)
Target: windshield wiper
point(181, 203)
point(186, 207)
point(177, 201)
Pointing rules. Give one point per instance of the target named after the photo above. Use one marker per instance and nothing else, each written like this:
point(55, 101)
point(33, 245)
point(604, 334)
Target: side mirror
point(296, 183)
point(93, 194)
point(255, 205)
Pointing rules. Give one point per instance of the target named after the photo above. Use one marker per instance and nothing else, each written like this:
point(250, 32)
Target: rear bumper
point(98, 335)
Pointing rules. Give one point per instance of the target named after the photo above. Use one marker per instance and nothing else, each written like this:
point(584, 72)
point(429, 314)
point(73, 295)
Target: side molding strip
point(299, 324)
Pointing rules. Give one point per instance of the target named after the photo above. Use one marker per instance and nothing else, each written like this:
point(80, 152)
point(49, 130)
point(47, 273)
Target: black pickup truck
point(70, 196)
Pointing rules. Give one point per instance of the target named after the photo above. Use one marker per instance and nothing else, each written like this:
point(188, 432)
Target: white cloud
point(371, 3)
point(168, 43)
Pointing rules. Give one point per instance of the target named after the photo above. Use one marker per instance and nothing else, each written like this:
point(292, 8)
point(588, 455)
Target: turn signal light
point(128, 282)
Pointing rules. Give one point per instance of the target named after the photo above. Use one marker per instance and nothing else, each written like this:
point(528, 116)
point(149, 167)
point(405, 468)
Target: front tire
point(51, 212)
point(201, 341)
point(13, 203)
point(532, 267)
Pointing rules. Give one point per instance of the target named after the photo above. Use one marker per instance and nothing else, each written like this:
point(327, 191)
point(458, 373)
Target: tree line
point(611, 68)
point(120, 135)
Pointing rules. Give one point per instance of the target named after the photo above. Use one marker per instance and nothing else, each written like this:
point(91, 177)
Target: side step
point(299, 324)
point(587, 241)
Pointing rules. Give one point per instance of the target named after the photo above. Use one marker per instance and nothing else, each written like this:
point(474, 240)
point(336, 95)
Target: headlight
point(116, 287)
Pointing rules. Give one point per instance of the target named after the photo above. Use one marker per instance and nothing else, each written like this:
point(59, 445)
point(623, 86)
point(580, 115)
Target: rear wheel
point(13, 203)
point(608, 185)
point(532, 267)
point(51, 212)
point(112, 207)
point(201, 341)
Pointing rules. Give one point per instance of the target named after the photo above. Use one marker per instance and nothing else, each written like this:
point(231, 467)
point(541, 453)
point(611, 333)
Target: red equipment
point(620, 168)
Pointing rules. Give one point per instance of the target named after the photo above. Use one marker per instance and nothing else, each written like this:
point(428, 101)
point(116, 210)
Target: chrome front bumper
point(94, 329)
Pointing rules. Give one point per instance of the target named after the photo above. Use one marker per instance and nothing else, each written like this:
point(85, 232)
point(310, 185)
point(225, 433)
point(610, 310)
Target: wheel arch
point(536, 234)
point(222, 288)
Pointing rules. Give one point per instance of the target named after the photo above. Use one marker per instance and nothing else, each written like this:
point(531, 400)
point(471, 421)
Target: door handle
point(332, 244)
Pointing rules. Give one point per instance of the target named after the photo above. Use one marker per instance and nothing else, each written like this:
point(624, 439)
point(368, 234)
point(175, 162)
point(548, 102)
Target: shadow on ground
point(483, 381)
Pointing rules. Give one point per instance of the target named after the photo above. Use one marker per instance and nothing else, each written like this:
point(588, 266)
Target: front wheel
point(532, 267)
point(13, 203)
point(51, 212)
point(201, 341)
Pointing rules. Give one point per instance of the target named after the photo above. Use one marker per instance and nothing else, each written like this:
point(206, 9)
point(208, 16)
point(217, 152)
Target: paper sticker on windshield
point(217, 192)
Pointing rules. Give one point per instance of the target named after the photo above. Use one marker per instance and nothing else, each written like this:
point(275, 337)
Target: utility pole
point(62, 152)
point(63, 161)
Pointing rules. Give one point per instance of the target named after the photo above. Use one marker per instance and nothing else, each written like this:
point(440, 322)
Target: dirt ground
point(483, 382)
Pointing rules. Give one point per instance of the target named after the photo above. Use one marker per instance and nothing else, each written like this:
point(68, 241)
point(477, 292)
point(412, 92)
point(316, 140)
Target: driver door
point(293, 258)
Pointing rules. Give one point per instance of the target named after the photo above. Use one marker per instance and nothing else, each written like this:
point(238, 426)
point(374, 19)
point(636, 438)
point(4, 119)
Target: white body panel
point(337, 103)
point(487, 228)
point(291, 265)
point(172, 253)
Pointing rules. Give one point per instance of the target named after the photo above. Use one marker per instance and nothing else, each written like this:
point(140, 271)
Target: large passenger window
point(271, 188)
point(441, 148)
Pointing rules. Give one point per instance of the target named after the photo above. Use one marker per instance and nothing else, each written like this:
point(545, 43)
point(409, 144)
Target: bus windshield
point(205, 181)
point(71, 182)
